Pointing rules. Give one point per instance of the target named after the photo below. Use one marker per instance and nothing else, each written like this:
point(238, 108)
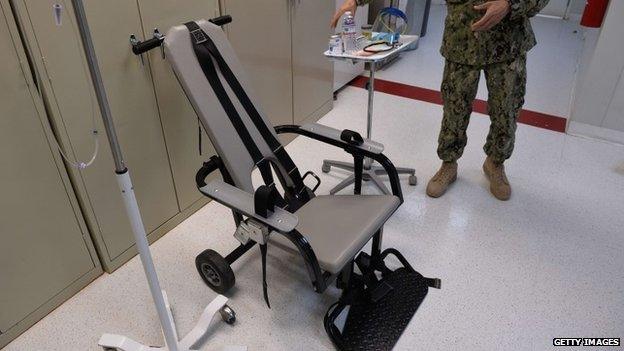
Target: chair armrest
point(242, 201)
point(335, 134)
point(355, 150)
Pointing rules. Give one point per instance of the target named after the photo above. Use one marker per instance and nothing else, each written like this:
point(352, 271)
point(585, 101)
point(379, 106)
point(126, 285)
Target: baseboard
point(586, 130)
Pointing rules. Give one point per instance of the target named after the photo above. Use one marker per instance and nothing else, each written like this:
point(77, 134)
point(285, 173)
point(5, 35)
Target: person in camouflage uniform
point(493, 37)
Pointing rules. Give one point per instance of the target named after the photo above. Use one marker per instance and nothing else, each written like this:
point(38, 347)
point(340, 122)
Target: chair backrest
point(224, 137)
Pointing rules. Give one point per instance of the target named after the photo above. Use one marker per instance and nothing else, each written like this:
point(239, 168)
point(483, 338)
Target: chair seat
point(338, 226)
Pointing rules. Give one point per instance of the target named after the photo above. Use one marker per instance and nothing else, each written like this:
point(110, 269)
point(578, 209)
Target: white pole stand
point(218, 305)
point(111, 342)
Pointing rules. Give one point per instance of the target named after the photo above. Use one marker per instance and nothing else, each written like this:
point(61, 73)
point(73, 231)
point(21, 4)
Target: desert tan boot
point(441, 181)
point(499, 184)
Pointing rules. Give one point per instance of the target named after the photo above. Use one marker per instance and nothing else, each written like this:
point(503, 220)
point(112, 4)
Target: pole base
point(371, 172)
point(112, 342)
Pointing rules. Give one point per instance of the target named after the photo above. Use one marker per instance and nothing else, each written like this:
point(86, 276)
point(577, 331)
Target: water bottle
point(349, 34)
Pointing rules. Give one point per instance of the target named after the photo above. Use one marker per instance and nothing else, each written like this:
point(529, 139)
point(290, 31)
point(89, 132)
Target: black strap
point(208, 67)
point(265, 199)
point(201, 39)
point(199, 136)
point(358, 170)
point(265, 289)
point(435, 283)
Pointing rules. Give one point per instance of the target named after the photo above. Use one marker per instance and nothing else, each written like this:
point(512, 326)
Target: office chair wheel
point(325, 168)
point(215, 271)
point(227, 314)
point(413, 180)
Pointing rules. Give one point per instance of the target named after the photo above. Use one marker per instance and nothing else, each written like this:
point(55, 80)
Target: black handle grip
point(351, 137)
point(221, 20)
point(207, 168)
point(145, 46)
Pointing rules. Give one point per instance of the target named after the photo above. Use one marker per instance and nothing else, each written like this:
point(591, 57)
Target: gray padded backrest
point(228, 144)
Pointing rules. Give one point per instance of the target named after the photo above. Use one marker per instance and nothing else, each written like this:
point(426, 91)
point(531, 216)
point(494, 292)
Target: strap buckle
point(318, 180)
point(198, 36)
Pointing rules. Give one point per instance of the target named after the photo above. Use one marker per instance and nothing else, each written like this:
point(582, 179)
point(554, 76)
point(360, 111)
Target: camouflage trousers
point(506, 84)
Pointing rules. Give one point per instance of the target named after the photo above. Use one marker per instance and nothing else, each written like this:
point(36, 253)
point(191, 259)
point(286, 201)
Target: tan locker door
point(178, 118)
point(260, 35)
point(131, 96)
point(313, 73)
point(43, 247)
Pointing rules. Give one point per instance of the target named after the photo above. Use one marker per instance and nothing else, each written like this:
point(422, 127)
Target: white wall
point(558, 8)
point(598, 105)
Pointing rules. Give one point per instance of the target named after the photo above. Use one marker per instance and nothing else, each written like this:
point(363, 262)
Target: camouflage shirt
point(507, 40)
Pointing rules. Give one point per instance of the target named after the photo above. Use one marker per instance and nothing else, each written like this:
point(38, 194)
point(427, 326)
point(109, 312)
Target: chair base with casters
point(327, 231)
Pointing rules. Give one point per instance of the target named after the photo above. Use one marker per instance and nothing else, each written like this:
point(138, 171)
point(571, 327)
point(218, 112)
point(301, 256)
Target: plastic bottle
point(349, 33)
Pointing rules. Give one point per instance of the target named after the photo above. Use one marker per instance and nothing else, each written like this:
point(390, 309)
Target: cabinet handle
point(134, 42)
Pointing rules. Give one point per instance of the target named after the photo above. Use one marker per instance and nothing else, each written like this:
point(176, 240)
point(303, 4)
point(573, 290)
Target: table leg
point(370, 171)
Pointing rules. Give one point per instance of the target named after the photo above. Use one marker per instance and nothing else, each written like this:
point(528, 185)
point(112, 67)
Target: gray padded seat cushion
point(338, 226)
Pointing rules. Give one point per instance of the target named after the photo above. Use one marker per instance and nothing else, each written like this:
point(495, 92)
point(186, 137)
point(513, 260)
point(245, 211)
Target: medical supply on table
point(367, 31)
point(389, 25)
point(335, 44)
point(349, 33)
point(378, 46)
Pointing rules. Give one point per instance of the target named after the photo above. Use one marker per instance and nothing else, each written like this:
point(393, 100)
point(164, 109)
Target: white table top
point(404, 42)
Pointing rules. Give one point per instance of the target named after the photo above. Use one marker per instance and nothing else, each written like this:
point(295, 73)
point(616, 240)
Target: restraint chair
point(327, 231)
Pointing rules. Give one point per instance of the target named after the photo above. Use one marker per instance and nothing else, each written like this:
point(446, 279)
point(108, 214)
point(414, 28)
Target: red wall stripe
point(532, 118)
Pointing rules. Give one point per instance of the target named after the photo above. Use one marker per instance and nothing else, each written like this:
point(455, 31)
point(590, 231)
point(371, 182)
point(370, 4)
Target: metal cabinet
point(260, 34)
point(157, 127)
point(46, 254)
point(280, 44)
point(312, 72)
point(179, 121)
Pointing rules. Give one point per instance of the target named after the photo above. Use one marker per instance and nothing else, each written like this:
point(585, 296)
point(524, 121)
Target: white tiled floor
point(551, 64)
point(546, 264)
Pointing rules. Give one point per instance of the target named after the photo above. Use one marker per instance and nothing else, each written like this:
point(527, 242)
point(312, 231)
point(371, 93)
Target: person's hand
point(495, 11)
point(348, 5)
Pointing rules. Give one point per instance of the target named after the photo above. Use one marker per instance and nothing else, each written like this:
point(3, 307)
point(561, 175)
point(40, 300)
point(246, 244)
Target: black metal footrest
point(378, 315)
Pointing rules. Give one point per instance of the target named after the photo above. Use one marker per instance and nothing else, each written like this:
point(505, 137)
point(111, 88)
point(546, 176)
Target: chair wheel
point(326, 168)
point(227, 314)
point(215, 271)
point(413, 180)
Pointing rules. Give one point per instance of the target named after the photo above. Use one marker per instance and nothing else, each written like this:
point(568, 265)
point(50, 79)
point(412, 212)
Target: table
point(371, 171)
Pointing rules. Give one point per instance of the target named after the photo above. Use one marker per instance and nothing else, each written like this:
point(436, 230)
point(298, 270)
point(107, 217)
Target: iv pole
point(116, 342)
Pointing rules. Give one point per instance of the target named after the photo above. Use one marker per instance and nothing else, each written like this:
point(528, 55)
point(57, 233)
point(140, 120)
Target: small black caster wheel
point(413, 180)
point(227, 314)
point(215, 271)
point(335, 96)
point(326, 168)
point(367, 85)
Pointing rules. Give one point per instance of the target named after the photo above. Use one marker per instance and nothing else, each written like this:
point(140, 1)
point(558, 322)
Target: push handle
point(142, 47)
point(221, 20)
